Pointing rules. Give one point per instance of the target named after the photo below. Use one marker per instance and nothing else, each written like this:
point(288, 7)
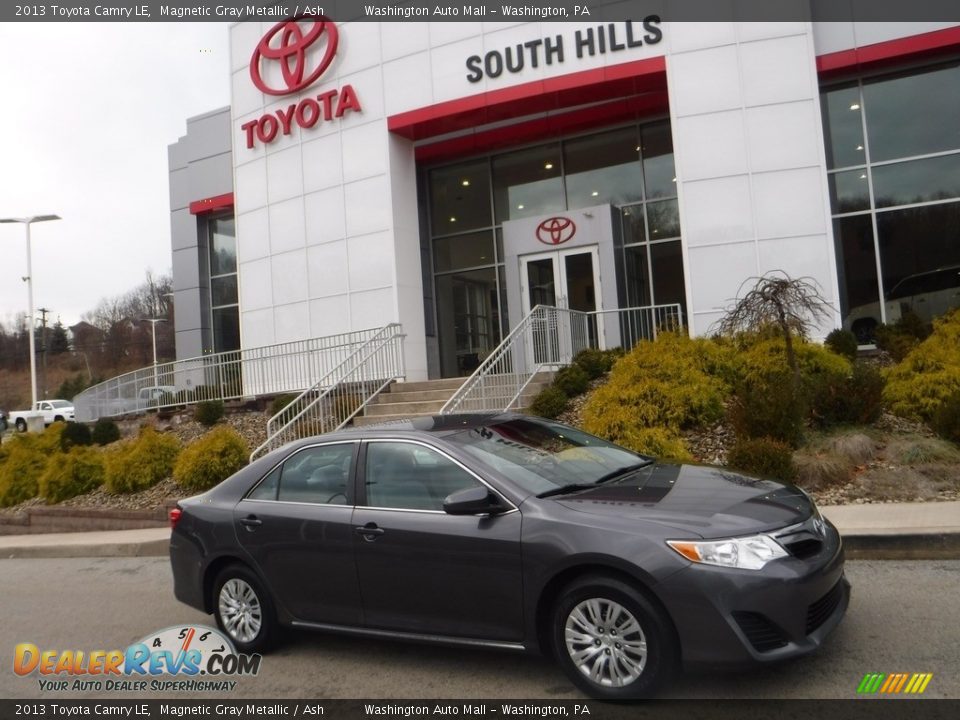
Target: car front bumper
point(738, 617)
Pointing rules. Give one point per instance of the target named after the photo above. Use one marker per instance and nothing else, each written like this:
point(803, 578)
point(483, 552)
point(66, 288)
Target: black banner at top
point(480, 10)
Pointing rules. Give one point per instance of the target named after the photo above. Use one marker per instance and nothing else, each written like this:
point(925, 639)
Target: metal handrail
point(548, 338)
point(337, 397)
point(236, 374)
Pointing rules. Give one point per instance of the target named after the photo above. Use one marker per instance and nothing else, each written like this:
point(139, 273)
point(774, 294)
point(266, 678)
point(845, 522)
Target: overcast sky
point(86, 113)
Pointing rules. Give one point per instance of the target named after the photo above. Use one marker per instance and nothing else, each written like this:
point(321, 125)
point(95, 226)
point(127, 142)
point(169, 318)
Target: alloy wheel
point(240, 610)
point(605, 642)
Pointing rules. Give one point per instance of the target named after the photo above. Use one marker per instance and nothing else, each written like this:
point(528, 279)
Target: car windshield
point(60, 403)
point(540, 456)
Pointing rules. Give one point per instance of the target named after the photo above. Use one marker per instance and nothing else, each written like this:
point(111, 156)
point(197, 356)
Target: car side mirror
point(473, 501)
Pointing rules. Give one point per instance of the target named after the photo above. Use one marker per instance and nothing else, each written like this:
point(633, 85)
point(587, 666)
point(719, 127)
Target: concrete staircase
point(405, 400)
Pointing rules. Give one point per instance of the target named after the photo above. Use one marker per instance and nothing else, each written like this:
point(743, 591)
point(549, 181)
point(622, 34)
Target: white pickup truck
point(51, 410)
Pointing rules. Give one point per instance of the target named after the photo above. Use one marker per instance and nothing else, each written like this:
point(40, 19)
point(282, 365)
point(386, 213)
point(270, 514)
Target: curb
point(151, 548)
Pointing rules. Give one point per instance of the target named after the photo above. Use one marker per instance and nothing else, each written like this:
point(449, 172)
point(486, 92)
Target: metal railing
point(549, 338)
point(270, 370)
point(340, 394)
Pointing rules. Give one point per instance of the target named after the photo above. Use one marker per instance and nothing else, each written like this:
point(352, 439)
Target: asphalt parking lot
point(904, 617)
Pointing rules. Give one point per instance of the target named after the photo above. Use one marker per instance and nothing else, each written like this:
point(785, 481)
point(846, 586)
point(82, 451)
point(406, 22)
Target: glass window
point(468, 319)
point(223, 246)
point(857, 275)
point(317, 475)
point(659, 172)
point(920, 258)
point(849, 191)
point(267, 488)
point(664, 219)
point(223, 290)
point(668, 282)
point(528, 183)
point(411, 477)
point(457, 252)
point(603, 168)
point(460, 197)
point(917, 181)
point(633, 224)
point(638, 276)
point(226, 329)
point(913, 114)
point(843, 126)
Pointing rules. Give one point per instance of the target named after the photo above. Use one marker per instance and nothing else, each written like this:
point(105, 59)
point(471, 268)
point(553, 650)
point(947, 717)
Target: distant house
point(86, 337)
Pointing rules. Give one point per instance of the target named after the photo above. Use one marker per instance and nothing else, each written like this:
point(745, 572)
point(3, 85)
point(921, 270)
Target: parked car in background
point(4, 424)
point(512, 532)
point(51, 410)
point(155, 395)
point(927, 294)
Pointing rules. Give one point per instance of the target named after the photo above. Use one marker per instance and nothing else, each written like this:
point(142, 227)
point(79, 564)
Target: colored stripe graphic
point(894, 683)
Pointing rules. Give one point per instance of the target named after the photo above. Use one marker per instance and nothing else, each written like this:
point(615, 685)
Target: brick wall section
point(66, 519)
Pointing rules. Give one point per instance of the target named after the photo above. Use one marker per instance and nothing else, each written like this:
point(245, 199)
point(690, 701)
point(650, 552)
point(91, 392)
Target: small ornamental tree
point(792, 305)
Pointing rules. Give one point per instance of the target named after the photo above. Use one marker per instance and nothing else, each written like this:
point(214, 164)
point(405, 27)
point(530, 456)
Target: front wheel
point(243, 609)
point(21, 425)
point(611, 641)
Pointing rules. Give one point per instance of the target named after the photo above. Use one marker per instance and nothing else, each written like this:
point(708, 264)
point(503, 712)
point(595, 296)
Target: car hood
point(708, 501)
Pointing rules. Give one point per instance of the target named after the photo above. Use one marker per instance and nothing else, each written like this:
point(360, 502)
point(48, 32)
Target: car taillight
point(174, 515)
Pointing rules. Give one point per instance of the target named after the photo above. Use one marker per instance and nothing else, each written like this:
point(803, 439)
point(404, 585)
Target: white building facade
point(453, 175)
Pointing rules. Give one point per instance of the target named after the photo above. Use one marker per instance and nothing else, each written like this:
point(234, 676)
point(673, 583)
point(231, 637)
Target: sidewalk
point(881, 531)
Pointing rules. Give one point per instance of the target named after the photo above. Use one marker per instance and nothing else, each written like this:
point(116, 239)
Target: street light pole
point(153, 336)
point(28, 221)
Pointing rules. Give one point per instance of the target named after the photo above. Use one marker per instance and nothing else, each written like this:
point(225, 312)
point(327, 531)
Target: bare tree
point(793, 305)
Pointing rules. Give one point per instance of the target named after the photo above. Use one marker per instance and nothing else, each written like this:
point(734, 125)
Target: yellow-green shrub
point(74, 473)
point(657, 442)
point(930, 374)
point(25, 458)
point(211, 459)
point(671, 383)
point(141, 463)
point(766, 359)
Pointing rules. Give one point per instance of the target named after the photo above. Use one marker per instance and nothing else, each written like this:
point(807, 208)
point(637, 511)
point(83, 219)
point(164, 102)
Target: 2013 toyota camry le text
point(512, 532)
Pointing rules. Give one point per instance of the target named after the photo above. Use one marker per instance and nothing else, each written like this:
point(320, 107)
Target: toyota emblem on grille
point(556, 230)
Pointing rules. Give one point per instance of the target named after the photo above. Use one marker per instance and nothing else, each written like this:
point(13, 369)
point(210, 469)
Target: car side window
point(317, 475)
point(267, 489)
point(406, 476)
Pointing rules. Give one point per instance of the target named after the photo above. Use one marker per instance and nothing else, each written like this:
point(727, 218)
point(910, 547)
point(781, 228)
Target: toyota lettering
point(303, 49)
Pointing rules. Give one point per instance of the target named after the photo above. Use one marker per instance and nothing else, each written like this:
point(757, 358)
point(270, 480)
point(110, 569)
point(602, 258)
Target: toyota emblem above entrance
point(556, 230)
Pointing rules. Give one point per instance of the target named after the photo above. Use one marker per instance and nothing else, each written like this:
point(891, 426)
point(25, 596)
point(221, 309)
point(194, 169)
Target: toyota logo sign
point(290, 51)
point(556, 230)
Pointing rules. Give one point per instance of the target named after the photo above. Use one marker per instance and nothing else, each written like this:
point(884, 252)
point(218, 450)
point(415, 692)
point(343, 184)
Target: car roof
point(438, 425)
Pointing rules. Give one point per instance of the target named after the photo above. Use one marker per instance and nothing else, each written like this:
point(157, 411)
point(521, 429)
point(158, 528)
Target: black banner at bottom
point(873, 709)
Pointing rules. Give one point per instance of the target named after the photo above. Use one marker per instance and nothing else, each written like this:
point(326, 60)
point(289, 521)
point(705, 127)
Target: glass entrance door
point(568, 279)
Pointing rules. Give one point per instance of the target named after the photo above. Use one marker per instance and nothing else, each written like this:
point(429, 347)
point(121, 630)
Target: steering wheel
point(336, 495)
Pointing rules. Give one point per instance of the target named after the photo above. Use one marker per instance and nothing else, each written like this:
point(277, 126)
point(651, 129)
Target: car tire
point(612, 641)
point(21, 425)
point(58, 418)
point(238, 587)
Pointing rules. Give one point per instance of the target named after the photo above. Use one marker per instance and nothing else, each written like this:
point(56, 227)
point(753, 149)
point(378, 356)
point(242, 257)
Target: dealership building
point(450, 176)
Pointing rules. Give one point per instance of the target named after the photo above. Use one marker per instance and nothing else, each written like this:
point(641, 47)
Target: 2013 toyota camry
point(513, 532)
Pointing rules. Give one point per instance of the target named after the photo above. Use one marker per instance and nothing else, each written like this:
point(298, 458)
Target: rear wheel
point(21, 425)
point(611, 641)
point(243, 609)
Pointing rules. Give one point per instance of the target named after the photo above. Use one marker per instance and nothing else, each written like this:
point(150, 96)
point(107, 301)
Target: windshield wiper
point(613, 475)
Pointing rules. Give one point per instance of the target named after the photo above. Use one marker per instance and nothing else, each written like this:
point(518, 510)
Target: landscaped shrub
point(105, 431)
point(25, 457)
point(571, 380)
point(141, 463)
point(674, 383)
point(900, 338)
point(549, 402)
point(75, 434)
point(657, 442)
point(842, 342)
point(208, 412)
point(854, 400)
point(764, 457)
point(765, 360)
point(929, 375)
point(597, 362)
point(211, 459)
point(74, 473)
point(280, 402)
point(946, 421)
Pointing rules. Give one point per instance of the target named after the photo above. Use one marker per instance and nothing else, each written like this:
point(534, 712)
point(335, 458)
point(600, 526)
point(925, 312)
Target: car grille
point(804, 549)
point(823, 608)
point(762, 634)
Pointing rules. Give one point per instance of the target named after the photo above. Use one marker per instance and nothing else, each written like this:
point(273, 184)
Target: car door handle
point(369, 532)
point(251, 522)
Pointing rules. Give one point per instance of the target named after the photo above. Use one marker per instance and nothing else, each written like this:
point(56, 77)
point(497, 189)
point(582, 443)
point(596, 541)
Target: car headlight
point(747, 553)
